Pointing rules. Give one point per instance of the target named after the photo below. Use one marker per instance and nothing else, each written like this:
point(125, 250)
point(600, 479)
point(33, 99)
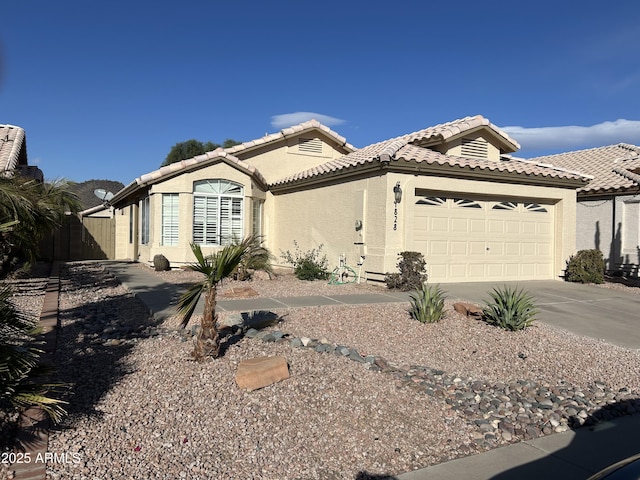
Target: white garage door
point(464, 239)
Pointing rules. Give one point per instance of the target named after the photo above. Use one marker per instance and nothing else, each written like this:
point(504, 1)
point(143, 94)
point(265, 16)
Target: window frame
point(145, 227)
point(218, 212)
point(170, 228)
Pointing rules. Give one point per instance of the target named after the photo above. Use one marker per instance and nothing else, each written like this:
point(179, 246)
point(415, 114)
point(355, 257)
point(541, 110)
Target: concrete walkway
point(596, 312)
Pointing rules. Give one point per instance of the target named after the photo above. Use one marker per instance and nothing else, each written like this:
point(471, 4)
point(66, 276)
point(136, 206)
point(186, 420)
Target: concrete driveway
point(589, 310)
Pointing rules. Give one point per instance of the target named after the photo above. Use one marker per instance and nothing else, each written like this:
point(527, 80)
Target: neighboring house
point(447, 191)
point(13, 153)
point(608, 209)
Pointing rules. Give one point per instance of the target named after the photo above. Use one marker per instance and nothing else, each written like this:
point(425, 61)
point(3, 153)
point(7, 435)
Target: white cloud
point(575, 137)
point(288, 119)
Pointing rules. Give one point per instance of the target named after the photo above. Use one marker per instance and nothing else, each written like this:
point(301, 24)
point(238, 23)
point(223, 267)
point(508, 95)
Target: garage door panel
point(494, 270)
point(476, 271)
point(476, 248)
point(543, 250)
point(512, 249)
point(514, 241)
point(496, 226)
point(543, 229)
point(512, 227)
point(495, 249)
point(439, 248)
point(459, 248)
point(460, 225)
point(437, 271)
point(458, 272)
point(529, 228)
point(439, 224)
point(477, 226)
point(512, 270)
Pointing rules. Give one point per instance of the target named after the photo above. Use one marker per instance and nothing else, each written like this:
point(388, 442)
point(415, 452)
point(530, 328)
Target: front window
point(217, 212)
point(170, 219)
point(144, 217)
point(256, 225)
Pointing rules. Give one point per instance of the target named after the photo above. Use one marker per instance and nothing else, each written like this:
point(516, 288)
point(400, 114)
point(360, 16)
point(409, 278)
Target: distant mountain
point(84, 191)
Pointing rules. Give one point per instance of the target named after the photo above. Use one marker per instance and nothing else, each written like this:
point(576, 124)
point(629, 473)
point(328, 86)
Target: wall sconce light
point(397, 193)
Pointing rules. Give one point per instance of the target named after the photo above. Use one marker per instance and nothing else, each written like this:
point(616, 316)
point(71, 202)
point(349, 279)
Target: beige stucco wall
point(182, 185)
point(283, 159)
point(327, 216)
point(124, 249)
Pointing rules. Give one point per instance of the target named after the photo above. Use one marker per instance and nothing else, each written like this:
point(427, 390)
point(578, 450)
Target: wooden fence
point(89, 238)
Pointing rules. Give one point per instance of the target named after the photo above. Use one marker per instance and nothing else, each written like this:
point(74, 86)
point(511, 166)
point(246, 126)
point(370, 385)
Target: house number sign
point(395, 215)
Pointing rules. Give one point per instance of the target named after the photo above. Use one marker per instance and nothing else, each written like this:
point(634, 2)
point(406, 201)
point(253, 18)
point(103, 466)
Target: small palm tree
point(215, 268)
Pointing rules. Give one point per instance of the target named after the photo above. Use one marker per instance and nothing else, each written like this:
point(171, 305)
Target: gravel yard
point(141, 408)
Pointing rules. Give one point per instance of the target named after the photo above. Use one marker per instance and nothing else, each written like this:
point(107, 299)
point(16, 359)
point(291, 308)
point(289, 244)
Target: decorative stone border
point(33, 426)
point(503, 413)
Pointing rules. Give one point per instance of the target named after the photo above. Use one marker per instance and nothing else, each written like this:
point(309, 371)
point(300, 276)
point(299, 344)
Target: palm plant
point(19, 363)
point(257, 257)
point(29, 210)
point(215, 268)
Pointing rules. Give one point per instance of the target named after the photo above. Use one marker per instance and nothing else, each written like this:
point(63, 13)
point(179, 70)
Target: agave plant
point(511, 309)
point(19, 363)
point(427, 303)
point(215, 268)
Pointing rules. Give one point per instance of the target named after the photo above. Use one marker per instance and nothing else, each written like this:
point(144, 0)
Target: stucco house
point(13, 153)
point(450, 191)
point(608, 211)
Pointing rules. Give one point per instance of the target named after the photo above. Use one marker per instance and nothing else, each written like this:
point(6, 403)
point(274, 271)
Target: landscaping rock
point(468, 309)
point(261, 372)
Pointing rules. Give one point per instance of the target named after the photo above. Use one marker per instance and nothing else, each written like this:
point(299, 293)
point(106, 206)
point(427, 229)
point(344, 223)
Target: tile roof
point(612, 167)
point(182, 167)
point(403, 150)
point(226, 154)
point(288, 132)
point(185, 165)
point(12, 141)
point(445, 131)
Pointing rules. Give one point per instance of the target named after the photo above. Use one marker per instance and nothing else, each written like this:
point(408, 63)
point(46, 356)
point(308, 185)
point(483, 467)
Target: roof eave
point(420, 168)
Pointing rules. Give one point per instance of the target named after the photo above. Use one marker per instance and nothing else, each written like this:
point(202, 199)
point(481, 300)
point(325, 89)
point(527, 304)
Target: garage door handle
point(488, 249)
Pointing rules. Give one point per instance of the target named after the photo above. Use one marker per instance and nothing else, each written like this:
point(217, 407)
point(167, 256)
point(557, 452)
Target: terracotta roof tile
point(402, 149)
point(289, 131)
point(12, 139)
point(174, 168)
point(226, 153)
point(605, 164)
point(450, 129)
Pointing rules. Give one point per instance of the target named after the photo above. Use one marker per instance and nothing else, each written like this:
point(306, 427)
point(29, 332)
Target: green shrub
point(511, 309)
point(427, 303)
point(412, 272)
point(307, 265)
point(586, 266)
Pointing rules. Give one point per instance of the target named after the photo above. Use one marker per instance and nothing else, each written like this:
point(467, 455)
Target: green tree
point(191, 148)
point(29, 210)
point(215, 268)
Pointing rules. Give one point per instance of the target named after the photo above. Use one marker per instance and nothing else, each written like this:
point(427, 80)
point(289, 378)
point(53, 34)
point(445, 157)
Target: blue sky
point(105, 89)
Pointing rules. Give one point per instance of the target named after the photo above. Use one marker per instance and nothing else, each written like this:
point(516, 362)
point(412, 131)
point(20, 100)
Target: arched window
point(217, 212)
